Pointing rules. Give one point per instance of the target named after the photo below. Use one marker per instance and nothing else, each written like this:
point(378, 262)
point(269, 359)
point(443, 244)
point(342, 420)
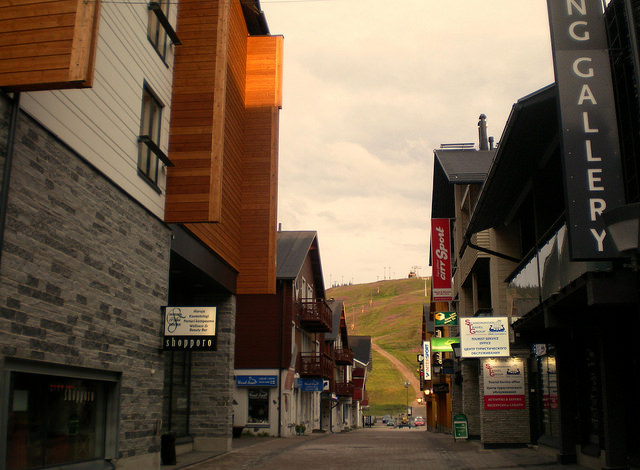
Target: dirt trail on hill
point(407, 374)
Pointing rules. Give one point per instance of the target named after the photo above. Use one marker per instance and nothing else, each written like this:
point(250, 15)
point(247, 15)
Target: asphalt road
point(379, 447)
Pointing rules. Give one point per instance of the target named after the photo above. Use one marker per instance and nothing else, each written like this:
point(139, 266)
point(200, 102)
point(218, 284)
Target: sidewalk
point(190, 459)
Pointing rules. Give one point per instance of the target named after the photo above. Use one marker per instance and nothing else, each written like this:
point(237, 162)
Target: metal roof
point(464, 166)
point(292, 251)
point(293, 247)
point(456, 166)
point(361, 346)
point(336, 307)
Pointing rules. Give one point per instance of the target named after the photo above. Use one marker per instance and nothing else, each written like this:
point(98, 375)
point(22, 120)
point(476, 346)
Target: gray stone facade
point(83, 277)
point(471, 397)
point(212, 384)
point(505, 427)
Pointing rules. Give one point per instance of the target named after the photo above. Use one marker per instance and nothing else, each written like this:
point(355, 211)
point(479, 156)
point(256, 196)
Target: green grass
point(387, 394)
point(391, 313)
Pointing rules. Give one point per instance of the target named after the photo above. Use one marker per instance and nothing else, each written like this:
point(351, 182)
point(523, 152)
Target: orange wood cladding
point(48, 44)
point(224, 139)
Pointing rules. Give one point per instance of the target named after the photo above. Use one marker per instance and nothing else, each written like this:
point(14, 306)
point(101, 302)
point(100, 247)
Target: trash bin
point(168, 448)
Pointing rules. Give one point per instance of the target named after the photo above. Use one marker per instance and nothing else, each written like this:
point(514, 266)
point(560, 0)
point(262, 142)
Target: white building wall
point(102, 123)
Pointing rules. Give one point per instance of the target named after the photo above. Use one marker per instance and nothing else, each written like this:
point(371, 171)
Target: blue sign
point(256, 380)
point(310, 385)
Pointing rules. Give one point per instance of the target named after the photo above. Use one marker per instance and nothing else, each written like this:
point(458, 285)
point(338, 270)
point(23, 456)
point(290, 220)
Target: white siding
point(102, 123)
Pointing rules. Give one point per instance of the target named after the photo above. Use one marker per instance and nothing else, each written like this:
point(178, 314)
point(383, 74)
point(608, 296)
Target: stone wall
point(471, 398)
point(212, 383)
point(509, 426)
point(84, 273)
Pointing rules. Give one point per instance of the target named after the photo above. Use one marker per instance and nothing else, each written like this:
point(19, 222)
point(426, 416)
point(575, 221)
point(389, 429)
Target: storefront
point(255, 401)
point(59, 415)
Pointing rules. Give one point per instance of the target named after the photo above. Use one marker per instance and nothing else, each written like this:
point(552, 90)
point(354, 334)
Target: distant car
point(391, 422)
point(386, 419)
point(419, 421)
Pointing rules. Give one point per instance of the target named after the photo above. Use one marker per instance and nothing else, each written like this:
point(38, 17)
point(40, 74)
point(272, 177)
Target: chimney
point(482, 133)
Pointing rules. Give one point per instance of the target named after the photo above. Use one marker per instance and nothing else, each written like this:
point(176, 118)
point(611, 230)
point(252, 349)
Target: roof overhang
point(529, 139)
point(254, 18)
point(456, 166)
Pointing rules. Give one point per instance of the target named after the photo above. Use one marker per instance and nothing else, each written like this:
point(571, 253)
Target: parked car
point(419, 421)
point(386, 419)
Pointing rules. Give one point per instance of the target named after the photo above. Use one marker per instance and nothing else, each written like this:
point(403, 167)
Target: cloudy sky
point(371, 87)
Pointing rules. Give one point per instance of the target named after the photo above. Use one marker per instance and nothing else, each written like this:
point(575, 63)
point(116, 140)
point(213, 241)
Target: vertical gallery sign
point(440, 260)
point(591, 153)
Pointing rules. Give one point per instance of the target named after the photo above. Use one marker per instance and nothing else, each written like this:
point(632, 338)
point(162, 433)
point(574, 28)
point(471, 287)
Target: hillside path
point(407, 374)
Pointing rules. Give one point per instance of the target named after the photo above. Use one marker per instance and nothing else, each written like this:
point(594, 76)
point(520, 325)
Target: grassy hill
point(391, 313)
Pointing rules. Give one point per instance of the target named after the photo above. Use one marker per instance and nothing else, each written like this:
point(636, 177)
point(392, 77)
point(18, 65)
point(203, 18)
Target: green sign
point(460, 427)
point(443, 344)
point(446, 318)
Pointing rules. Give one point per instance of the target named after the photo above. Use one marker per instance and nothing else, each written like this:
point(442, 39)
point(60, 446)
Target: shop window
point(58, 420)
point(258, 406)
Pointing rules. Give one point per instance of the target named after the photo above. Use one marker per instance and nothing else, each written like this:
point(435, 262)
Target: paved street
point(376, 448)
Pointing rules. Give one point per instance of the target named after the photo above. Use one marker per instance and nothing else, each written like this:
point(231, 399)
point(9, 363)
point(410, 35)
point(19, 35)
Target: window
point(258, 406)
point(156, 33)
point(59, 419)
point(149, 139)
point(159, 28)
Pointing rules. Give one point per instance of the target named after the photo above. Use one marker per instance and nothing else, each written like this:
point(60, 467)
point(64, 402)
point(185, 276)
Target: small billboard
point(484, 337)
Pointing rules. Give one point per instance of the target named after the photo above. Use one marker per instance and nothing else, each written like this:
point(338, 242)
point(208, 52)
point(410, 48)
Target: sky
point(370, 89)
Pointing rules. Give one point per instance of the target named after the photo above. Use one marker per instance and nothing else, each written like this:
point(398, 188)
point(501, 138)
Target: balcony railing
point(315, 315)
point(344, 389)
point(343, 356)
point(316, 365)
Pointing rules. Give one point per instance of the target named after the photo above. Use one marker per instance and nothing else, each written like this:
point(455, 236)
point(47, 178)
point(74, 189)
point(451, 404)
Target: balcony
point(343, 356)
point(315, 315)
point(316, 365)
point(344, 389)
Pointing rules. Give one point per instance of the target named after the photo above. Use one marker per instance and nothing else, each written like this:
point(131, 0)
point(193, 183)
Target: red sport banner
point(440, 261)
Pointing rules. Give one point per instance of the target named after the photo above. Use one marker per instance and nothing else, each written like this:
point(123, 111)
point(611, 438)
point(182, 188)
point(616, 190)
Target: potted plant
point(300, 429)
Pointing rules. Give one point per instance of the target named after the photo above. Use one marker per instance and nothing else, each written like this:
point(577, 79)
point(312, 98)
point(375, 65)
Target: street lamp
point(406, 385)
point(455, 347)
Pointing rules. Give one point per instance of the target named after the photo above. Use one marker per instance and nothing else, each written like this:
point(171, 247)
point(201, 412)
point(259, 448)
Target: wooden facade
point(224, 139)
point(47, 44)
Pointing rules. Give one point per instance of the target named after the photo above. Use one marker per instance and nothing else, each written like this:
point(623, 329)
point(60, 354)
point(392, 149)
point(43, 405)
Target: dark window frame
point(159, 28)
point(149, 152)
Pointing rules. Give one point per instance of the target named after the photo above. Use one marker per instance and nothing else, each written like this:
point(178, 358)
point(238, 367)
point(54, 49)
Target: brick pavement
point(377, 448)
